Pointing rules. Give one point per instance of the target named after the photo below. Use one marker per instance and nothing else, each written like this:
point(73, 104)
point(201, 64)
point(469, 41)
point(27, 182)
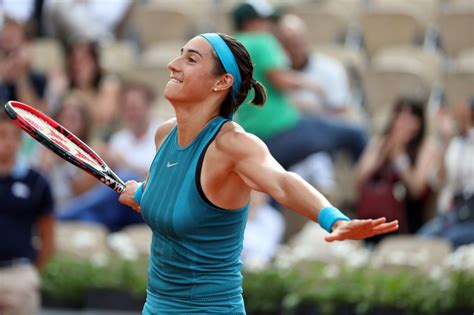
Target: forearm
point(299, 196)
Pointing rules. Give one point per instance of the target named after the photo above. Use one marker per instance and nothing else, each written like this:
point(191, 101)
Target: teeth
point(175, 80)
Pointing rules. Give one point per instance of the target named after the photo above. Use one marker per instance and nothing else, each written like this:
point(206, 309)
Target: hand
point(359, 229)
point(126, 197)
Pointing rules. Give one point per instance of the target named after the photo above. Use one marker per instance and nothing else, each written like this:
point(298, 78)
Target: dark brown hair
point(231, 104)
point(417, 109)
point(93, 50)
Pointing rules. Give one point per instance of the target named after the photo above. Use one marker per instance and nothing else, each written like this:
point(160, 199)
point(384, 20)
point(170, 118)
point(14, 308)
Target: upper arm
point(163, 131)
point(252, 161)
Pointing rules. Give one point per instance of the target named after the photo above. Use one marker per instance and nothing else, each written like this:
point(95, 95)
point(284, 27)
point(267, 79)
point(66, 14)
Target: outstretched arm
point(260, 171)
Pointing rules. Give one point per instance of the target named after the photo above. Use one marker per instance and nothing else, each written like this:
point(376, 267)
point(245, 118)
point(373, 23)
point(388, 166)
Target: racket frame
point(106, 175)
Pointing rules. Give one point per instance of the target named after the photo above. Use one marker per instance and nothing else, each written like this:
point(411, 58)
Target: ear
point(224, 83)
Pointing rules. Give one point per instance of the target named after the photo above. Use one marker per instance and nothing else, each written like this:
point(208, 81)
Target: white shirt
point(19, 10)
point(138, 152)
point(459, 162)
point(331, 77)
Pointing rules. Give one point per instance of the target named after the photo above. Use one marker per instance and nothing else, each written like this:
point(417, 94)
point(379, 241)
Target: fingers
point(387, 229)
point(378, 221)
point(386, 225)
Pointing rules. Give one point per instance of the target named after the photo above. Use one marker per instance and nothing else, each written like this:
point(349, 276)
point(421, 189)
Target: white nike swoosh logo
point(171, 164)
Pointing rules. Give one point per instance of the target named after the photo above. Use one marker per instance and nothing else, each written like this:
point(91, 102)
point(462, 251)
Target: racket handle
point(117, 185)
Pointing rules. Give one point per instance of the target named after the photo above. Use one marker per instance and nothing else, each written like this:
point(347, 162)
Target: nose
point(173, 65)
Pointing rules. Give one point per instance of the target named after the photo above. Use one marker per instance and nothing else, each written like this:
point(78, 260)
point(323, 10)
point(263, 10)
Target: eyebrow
point(192, 51)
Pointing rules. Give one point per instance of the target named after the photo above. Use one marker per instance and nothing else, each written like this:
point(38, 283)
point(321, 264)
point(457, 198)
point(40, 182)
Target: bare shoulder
point(163, 131)
point(233, 140)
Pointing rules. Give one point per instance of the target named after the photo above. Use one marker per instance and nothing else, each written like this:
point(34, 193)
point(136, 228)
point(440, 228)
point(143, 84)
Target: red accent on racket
point(62, 142)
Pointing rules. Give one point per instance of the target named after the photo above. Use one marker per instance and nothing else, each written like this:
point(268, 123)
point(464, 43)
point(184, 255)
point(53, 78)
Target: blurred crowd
point(408, 157)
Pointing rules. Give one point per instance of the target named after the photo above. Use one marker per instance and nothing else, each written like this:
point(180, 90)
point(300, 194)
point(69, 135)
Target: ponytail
point(260, 95)
point(232, 102)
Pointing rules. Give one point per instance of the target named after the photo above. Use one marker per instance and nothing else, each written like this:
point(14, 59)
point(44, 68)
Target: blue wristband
point(138, 194)
point(328, 216)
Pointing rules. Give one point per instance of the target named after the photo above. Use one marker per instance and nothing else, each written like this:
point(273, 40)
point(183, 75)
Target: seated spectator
point(26, 214)
point(68, 181)
point(18, 81)
point(392, 176)
point(138, 135)
point(456, 220)
point(90, 19)
point(327, 72)
point(289, 136)
point(93, 201)
point(85, 75)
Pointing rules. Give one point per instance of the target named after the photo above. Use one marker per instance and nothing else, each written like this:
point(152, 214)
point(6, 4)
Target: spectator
point(27, 207)
point(18, 81)
point(289, 137)
point(85, 75)
point(90, 19)
point(139, 132)
point(329, 74)
point(393, 174)
point(68, 181)
point(456, 221)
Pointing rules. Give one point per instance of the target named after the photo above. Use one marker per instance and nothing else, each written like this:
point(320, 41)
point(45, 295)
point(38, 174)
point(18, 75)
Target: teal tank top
point(194, 265)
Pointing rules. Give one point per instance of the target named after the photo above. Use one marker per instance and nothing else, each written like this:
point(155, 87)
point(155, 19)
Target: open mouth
point(173, 79)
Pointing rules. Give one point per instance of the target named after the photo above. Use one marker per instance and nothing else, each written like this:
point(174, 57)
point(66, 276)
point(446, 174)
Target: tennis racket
point(62, 142)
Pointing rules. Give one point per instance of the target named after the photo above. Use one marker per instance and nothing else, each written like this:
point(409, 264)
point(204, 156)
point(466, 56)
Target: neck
point(301, 63)
point(191, 120)
point(140, 129)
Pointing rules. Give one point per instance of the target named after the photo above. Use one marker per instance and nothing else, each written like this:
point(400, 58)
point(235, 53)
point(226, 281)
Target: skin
point(236, 160)
point(10, 141)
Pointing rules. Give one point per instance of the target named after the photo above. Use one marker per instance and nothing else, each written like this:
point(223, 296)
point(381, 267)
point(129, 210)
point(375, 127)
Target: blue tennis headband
point(227, 58)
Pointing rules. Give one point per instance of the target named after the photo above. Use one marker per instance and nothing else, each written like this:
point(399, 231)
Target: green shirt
point(278, 114)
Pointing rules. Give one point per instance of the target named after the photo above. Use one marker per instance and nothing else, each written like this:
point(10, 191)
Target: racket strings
point(58, 138)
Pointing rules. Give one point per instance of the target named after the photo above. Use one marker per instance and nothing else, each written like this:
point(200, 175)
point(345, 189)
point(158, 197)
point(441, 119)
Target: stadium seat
point(411, 58)
point(158, 25)
point(456, 31)
point(424, 9)
point(386, 27)
point(47, 54)
point(161, 54)
point(458, 85)
point(116, 56)
point(465, 60)
point(410, 252)
point(81, 239)
point(324, 26)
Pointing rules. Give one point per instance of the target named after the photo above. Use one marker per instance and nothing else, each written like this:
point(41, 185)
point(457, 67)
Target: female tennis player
point(197, 194)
